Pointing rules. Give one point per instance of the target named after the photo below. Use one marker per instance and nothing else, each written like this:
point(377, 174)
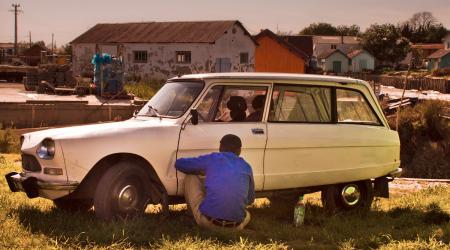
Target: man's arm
point(192, 165)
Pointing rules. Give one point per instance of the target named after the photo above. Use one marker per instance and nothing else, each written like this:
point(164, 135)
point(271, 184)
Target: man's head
point(230, 143)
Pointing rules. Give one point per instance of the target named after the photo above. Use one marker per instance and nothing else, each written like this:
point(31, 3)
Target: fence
point(441, 85)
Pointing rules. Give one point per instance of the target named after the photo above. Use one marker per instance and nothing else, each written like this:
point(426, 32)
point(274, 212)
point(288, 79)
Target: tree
point(326, 29)
point(66, 49)
point(321, 29)
point(423, 27)
point(352, 30)
point(40, 43)
point(385, 43)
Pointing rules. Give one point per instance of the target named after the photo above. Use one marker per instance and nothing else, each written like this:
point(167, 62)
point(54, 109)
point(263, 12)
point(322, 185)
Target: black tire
point(73, 205)
point(333, 199)
point(122, 192)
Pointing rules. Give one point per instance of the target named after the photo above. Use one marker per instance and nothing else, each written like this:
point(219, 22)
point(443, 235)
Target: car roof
point(269, 76)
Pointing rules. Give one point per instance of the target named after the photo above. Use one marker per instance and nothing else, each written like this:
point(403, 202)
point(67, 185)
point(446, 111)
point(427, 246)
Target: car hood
point(95, 130)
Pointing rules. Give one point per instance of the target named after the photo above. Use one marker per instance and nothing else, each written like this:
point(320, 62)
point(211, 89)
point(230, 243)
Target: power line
point(16, 11)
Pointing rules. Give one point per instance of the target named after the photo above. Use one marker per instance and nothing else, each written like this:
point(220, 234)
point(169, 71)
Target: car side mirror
point(194, 116)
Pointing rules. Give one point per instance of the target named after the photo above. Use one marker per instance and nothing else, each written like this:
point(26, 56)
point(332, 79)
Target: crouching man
point(227, 190)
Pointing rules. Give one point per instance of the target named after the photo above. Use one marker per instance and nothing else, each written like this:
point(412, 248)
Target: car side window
point(352, 107)
point(301, 104)
point(233, 104)
point(207, 105)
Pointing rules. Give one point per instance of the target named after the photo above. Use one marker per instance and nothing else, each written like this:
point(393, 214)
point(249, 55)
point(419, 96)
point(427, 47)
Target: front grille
point(30, 163)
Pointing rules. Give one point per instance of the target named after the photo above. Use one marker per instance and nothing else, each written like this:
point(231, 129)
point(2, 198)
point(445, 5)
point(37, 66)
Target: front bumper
point(31, 185)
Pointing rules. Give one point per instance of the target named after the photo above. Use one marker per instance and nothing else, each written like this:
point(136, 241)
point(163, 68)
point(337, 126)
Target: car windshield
point(172, 100)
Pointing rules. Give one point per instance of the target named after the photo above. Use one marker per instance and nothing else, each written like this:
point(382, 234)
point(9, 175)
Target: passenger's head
point(230, 143)
point(258, 102)
point(237, 107)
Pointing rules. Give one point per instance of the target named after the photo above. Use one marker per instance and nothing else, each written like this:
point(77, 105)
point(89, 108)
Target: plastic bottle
point(299, 212)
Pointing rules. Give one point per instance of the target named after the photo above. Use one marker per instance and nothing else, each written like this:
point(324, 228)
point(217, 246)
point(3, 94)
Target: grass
point(413, 220)
point(9, 141)
point(144, 89)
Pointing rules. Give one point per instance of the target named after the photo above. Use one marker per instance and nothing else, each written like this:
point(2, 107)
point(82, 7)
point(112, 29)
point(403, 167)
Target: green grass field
point(413, 220)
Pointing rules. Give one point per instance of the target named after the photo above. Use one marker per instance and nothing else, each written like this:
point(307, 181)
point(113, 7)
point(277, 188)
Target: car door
point(300, 130)
point(216, 113)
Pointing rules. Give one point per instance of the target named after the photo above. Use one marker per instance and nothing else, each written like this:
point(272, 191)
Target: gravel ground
point(412, 184)
point(15, 92)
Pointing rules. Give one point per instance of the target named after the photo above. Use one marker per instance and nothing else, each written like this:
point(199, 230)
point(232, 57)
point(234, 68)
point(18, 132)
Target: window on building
point(333, 46)
point(244, 58)
point(300, 104)
point(352, 107)
point(140, 56)
point(183, 56)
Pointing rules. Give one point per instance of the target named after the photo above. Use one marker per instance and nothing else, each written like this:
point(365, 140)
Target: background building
point(361, 60)
point(274, 54)
point(166, 49)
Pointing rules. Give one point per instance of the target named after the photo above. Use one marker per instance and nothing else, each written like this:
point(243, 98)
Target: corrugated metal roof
point(439, 54)
point(158, 32)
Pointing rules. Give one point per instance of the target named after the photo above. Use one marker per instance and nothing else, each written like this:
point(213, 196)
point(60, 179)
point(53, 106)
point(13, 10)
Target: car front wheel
point(122, 192)
point(348, 196)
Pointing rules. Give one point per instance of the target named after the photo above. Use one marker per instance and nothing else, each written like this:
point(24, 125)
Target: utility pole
point(16, 11)
point(53, 35)
point(29, 35)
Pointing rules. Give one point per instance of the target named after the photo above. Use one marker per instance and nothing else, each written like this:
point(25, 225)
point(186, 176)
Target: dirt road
point(15, 92)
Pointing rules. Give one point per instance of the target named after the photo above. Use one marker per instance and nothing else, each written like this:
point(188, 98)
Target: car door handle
point(257, 131)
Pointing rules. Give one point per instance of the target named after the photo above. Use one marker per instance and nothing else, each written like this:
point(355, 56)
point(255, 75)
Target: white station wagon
point(300, 134)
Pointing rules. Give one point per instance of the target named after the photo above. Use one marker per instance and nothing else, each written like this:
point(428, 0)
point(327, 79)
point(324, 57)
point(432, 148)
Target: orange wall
point(270, 56)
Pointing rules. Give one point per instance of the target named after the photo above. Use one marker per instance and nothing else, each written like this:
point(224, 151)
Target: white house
point(361, 60)
point(165, 49)
point(322, 44)
point(446, 41)
point(333, 60)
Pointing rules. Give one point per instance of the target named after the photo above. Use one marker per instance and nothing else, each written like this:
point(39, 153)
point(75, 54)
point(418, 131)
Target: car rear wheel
point(348, 196)
point(73, 205)
point(122, 192)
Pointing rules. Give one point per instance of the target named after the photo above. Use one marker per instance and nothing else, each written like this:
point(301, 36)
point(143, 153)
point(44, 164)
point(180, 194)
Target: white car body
point(283, 156)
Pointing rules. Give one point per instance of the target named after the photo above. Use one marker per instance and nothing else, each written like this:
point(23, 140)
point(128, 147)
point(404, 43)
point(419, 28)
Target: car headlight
point(46, 149)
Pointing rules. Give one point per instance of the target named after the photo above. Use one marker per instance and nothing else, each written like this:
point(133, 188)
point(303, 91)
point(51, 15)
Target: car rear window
point(352, 107)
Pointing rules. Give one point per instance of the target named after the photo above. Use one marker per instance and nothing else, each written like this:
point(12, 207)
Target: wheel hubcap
point(351, 194)
point(128, 198)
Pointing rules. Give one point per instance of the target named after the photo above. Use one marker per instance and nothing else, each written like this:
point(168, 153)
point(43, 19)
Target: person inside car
point(258, 106)
point(227, 190)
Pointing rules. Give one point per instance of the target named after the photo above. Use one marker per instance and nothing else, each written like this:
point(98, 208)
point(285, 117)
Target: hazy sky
point(68, 19)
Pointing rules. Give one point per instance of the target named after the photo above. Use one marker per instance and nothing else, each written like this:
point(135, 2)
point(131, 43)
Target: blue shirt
point(229, 184)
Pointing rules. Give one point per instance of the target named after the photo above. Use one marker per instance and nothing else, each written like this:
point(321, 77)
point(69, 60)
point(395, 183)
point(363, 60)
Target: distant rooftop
point(158, 32)
point(428, 46)
point(439, 54)
point(336, 39)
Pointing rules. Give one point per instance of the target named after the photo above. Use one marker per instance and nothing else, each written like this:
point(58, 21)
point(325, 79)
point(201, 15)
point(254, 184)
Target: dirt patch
point(407, 185)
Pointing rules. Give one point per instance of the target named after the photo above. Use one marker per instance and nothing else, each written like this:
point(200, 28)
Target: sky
point(68, 19)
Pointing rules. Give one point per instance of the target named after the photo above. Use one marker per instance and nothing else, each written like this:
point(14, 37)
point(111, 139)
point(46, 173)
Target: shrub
point(144, 89)
point(441, 72)
point(9, 141)
point(425, 140)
